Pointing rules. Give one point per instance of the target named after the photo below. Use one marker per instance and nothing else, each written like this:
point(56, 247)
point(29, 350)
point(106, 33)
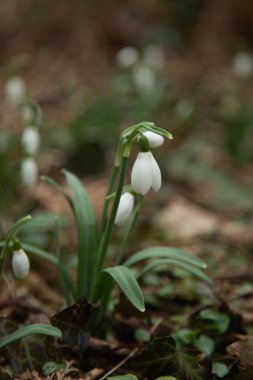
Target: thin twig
point(131, 353)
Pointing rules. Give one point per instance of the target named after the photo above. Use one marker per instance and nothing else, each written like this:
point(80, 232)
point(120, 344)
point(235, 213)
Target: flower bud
point(31, 140)
point(154, 139)
point(145, 174)
point(29, 171)
point(20, 263)
point(125, 208)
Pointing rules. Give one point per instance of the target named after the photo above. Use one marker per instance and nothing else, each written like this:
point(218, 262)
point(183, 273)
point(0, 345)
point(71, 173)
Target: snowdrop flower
point(184, 108)
point(15, 89)
point(144, 78)
point(125, 208)
point(29, 172)
point(127, 57)
point(20, 263)
point(31, 140)
point(145, 174)
point(154, 139)
point(243, 65)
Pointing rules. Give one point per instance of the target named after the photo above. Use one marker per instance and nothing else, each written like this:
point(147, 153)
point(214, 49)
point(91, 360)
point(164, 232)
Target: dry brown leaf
point(187, 220)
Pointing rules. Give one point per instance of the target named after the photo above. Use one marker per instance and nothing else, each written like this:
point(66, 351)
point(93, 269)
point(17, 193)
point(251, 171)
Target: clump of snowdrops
point(30, 114)
point(94, 279)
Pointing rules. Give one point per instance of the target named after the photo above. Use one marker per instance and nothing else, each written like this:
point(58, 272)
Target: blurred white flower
point(184, 109)
point(29, 171)
point(145, 174)
point(127, 57)
point(31, 140)
point(20, 263)
point(15, 89)
point(243, 65)
point(154, 56)
point(125, 208)
point(144, 78)
point(154, 139)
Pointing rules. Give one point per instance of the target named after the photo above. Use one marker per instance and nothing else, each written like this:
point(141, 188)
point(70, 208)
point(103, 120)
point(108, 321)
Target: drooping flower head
point(20, 262)
point(29, 171)
point(15, 90)
point(30, 140)
point(125, 208)
point(146, 173)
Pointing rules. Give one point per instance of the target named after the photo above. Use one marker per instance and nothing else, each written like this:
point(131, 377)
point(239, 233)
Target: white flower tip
point(125, 208)
point(31, 140)
point(154, 139)
point(20, 263)
point(29, 172)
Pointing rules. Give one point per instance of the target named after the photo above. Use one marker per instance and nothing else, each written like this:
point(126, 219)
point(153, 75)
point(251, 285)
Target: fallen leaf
point(71, 321)
point(187, 220)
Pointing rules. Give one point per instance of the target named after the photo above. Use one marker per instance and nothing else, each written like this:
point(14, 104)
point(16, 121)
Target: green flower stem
point(10, 235)
point(108, 286)
point(130, 229)
point(107, 201)
point(116, 167)
point(108, 230)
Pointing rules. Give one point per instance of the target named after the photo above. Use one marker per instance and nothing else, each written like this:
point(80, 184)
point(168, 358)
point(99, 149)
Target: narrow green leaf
point(188, 267)
point(35, 328)
point(57, 186)
point(128, 284)
point(54, 260)
point(17, 225)
point(169, 253)
point(87, 236)
point(41, 253)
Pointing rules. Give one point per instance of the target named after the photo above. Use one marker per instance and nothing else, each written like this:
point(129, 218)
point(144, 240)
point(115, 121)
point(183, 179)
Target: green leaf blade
point(87, 234)
point(128, 284)
point(166, 252)
point(36, 328)
point(188, 267)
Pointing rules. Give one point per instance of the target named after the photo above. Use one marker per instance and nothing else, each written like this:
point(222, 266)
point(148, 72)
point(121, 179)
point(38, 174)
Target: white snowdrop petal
point(31, 140)
point(20, 263)
point(154, 139)
point(29, 172)
point(141, 176)
point(156, 175)
point(144, 78)
point(125, 208)
point(127, 56)
point(243, 65)
point(15, 89)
